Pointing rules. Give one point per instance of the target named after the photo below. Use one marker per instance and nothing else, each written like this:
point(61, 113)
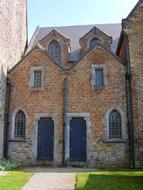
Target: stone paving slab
point(53, 178)
point(51, 181)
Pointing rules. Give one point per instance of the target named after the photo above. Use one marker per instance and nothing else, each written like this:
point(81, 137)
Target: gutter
point(6, 118)
point(129, 106)
point(64, 118)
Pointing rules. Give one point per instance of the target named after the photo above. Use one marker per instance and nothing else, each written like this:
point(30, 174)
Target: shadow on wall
point(132, 180)
point(2, 75)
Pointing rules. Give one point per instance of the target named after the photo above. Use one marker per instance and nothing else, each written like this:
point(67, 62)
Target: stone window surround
point(31, 81)
point(13, 124)
point(86, 117)
point(91, 38)
point(99, 66)
point(35, 135)
point(123, 122)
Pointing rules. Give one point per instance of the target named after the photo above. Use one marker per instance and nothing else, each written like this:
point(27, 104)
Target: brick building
point(76, 100)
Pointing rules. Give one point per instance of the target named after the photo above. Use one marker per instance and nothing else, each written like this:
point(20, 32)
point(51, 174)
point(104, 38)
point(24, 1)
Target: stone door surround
point(86, 117)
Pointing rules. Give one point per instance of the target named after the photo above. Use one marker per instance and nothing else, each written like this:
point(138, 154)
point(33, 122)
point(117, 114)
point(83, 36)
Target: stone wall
point(82, 98)
point(133, 27)
point(13, 36)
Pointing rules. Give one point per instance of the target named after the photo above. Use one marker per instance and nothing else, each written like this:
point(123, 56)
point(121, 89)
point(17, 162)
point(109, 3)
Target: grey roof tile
point(74, 33)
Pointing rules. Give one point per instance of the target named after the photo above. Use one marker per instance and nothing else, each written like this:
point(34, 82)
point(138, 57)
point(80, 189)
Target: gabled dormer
point(93, 38)
point(57, 46)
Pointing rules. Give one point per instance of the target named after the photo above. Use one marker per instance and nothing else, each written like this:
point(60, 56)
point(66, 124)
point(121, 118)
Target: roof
point(63, 67)
point(74, 33)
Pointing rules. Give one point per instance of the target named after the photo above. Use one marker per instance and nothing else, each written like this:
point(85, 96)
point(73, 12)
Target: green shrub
point(8, 165)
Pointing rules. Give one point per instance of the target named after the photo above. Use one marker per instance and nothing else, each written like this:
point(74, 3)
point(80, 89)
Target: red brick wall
point(81, 98)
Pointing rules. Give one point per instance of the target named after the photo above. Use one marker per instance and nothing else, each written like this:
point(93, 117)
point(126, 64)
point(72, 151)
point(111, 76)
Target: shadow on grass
point(109, 182)
point(57, 170)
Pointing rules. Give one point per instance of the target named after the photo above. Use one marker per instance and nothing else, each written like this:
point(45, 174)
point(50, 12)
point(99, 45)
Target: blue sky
point(76, 12)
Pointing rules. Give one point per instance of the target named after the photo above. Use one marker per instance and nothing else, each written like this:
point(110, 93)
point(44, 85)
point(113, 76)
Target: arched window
point(95, 41)
point(115, 125)
point(54, 50)
point(20, 125)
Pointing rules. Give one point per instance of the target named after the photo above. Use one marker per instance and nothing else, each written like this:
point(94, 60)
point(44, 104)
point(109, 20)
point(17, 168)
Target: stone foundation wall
point(21, 151)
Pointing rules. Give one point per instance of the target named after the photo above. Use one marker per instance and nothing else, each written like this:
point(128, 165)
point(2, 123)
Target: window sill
point(18, 140)
point(115, 141)
point(95, 88)
point(98, 88)
point(36, 89)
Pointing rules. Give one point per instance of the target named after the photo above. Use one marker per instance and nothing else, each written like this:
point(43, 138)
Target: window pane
point(37, 79)
point(115, 125)
point(99, 78)
point(54, 50)
point(94, 42)
point(20, 124)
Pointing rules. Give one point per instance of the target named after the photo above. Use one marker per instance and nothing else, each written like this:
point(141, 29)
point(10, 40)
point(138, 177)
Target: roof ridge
point(79, 25)
point(95, 28)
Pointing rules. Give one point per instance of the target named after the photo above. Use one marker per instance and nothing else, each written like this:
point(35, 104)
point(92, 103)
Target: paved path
point(53, 178)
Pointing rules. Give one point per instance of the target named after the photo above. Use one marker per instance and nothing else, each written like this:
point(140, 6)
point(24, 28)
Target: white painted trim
point(13, 122)
point(35, 134)
point(123, 121)
point(86, 117)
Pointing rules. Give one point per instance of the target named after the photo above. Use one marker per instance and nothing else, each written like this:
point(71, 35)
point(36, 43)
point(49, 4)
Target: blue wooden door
point(45, 139)
point(78, 139)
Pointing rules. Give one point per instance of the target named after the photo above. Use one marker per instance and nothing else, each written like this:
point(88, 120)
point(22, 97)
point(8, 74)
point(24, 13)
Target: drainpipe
point(6, 118)
point(64, 119)
point(129, 106)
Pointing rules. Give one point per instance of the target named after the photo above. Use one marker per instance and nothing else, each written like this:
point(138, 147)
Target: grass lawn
point(15, 180)
point(111, 180)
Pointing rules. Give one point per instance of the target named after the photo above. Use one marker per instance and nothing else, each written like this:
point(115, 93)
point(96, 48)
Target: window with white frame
point(36, 78)
point(20, 125)
point(99, 79)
